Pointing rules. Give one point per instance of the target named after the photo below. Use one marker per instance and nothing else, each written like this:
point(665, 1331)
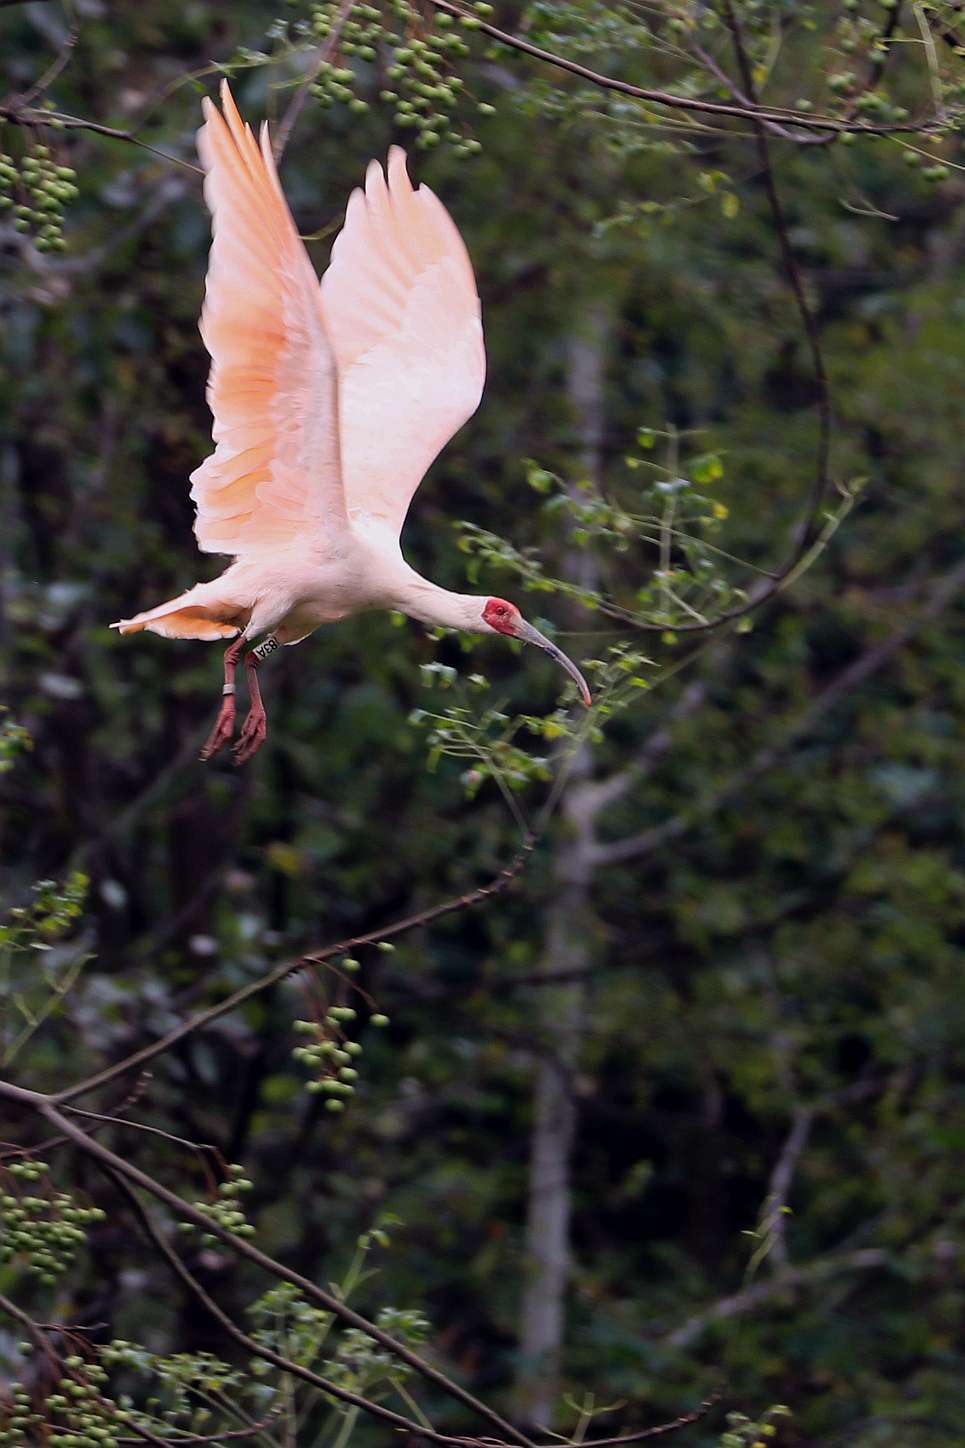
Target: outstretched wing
point(402, 313)
point(274, 475)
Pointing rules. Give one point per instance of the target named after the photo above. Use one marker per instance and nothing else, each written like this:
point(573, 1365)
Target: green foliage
point(661, 530)
point(742, 1432)
point(14, 740)
point(35, 975)
point(794, 942)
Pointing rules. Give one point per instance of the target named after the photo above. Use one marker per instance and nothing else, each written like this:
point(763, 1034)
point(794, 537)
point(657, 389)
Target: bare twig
point(656, 1432)
point(44, 81)
point(35, 119)
point(27, 1323)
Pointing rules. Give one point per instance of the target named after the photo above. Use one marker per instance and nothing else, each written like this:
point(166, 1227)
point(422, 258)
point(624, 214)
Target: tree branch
point(777, 115)
point(324, 54)
point(249, 1344)
point(740, 1303)
point(807, 531)
point(640, 846)
point(46, 1107)
point(40, 119)
point(280, 972)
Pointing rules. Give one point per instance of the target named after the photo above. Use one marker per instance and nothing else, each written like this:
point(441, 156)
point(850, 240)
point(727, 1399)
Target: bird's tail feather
point(186, 617)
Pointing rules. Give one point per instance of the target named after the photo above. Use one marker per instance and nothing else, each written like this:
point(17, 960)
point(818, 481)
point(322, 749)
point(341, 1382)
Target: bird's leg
point(225, 722)
point(255, 727)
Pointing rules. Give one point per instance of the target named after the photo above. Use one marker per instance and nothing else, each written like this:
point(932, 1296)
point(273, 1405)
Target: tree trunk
point(559, 1010)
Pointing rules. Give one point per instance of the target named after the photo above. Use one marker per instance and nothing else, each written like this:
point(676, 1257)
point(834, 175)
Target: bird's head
point(499, 616)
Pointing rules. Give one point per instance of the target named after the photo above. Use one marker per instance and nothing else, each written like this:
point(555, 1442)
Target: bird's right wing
point(274, 477)
point(400, 306)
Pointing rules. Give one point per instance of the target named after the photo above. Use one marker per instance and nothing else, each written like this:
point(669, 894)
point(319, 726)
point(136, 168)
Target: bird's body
point(303, 586)
point(329, 404)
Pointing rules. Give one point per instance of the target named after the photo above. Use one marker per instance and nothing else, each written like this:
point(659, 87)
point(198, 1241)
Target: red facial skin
point(504, 617)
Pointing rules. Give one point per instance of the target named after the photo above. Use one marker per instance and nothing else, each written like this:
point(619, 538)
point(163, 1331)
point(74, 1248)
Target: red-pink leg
point(255, 728)
point(225, 724)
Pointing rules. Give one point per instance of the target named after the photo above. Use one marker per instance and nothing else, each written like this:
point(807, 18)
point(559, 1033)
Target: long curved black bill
point(531, 635)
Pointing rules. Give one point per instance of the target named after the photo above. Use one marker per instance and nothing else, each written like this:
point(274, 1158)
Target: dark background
point(782, 956)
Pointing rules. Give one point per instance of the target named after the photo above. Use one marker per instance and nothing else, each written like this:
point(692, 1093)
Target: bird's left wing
point(400, 306)
point(274, 477)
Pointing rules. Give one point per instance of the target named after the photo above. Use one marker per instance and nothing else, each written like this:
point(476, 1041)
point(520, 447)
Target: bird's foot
point(253, 734)
point(223, 730)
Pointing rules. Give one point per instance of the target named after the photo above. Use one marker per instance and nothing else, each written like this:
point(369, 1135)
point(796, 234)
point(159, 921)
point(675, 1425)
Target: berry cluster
point(20, 1418)
point(42, 1232)
point(35, 189)
point(331, 1055)
point(225, 1209)
point(83, 1416)
point(415, 61)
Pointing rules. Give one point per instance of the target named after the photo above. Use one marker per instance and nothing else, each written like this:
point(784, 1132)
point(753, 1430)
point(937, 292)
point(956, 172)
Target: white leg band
point(228, 689)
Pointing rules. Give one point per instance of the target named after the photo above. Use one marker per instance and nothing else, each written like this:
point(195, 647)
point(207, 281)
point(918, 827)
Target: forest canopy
point(472, 1067)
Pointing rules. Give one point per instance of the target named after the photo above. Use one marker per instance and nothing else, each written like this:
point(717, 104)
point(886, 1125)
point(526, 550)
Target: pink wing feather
point(402, 313)
point(274, 476)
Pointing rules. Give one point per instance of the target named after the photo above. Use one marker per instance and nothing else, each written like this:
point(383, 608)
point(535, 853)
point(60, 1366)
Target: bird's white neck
point(437, 606)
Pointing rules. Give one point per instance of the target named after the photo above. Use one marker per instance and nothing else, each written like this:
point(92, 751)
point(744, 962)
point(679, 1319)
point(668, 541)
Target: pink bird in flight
point(330, 402)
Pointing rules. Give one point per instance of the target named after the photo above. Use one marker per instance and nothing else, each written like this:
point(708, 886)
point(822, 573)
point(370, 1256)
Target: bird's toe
point(221, 733)
point(253, 735)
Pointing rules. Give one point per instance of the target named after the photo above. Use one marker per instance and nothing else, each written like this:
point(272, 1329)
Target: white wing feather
point(402, 313)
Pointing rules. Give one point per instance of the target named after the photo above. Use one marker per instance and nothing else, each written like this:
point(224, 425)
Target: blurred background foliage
point(729, 982)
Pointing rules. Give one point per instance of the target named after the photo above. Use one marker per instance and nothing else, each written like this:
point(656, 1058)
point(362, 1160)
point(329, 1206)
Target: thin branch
point(46, 80)
point(739, 1303)
point(648, 842)
point(41, 1148)
point(883, 49)
point(720, 74)
point(807, 532)
point(601, 793)
point(779, 1186)
point(228, 1435)
point(657, 1432)
point(27, 1323)
point(325, 53)
point(46, 1107)
point(778, 115)
point(249, 1344)
point(59, 120)
point(200, 1147)
point(280, 972)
